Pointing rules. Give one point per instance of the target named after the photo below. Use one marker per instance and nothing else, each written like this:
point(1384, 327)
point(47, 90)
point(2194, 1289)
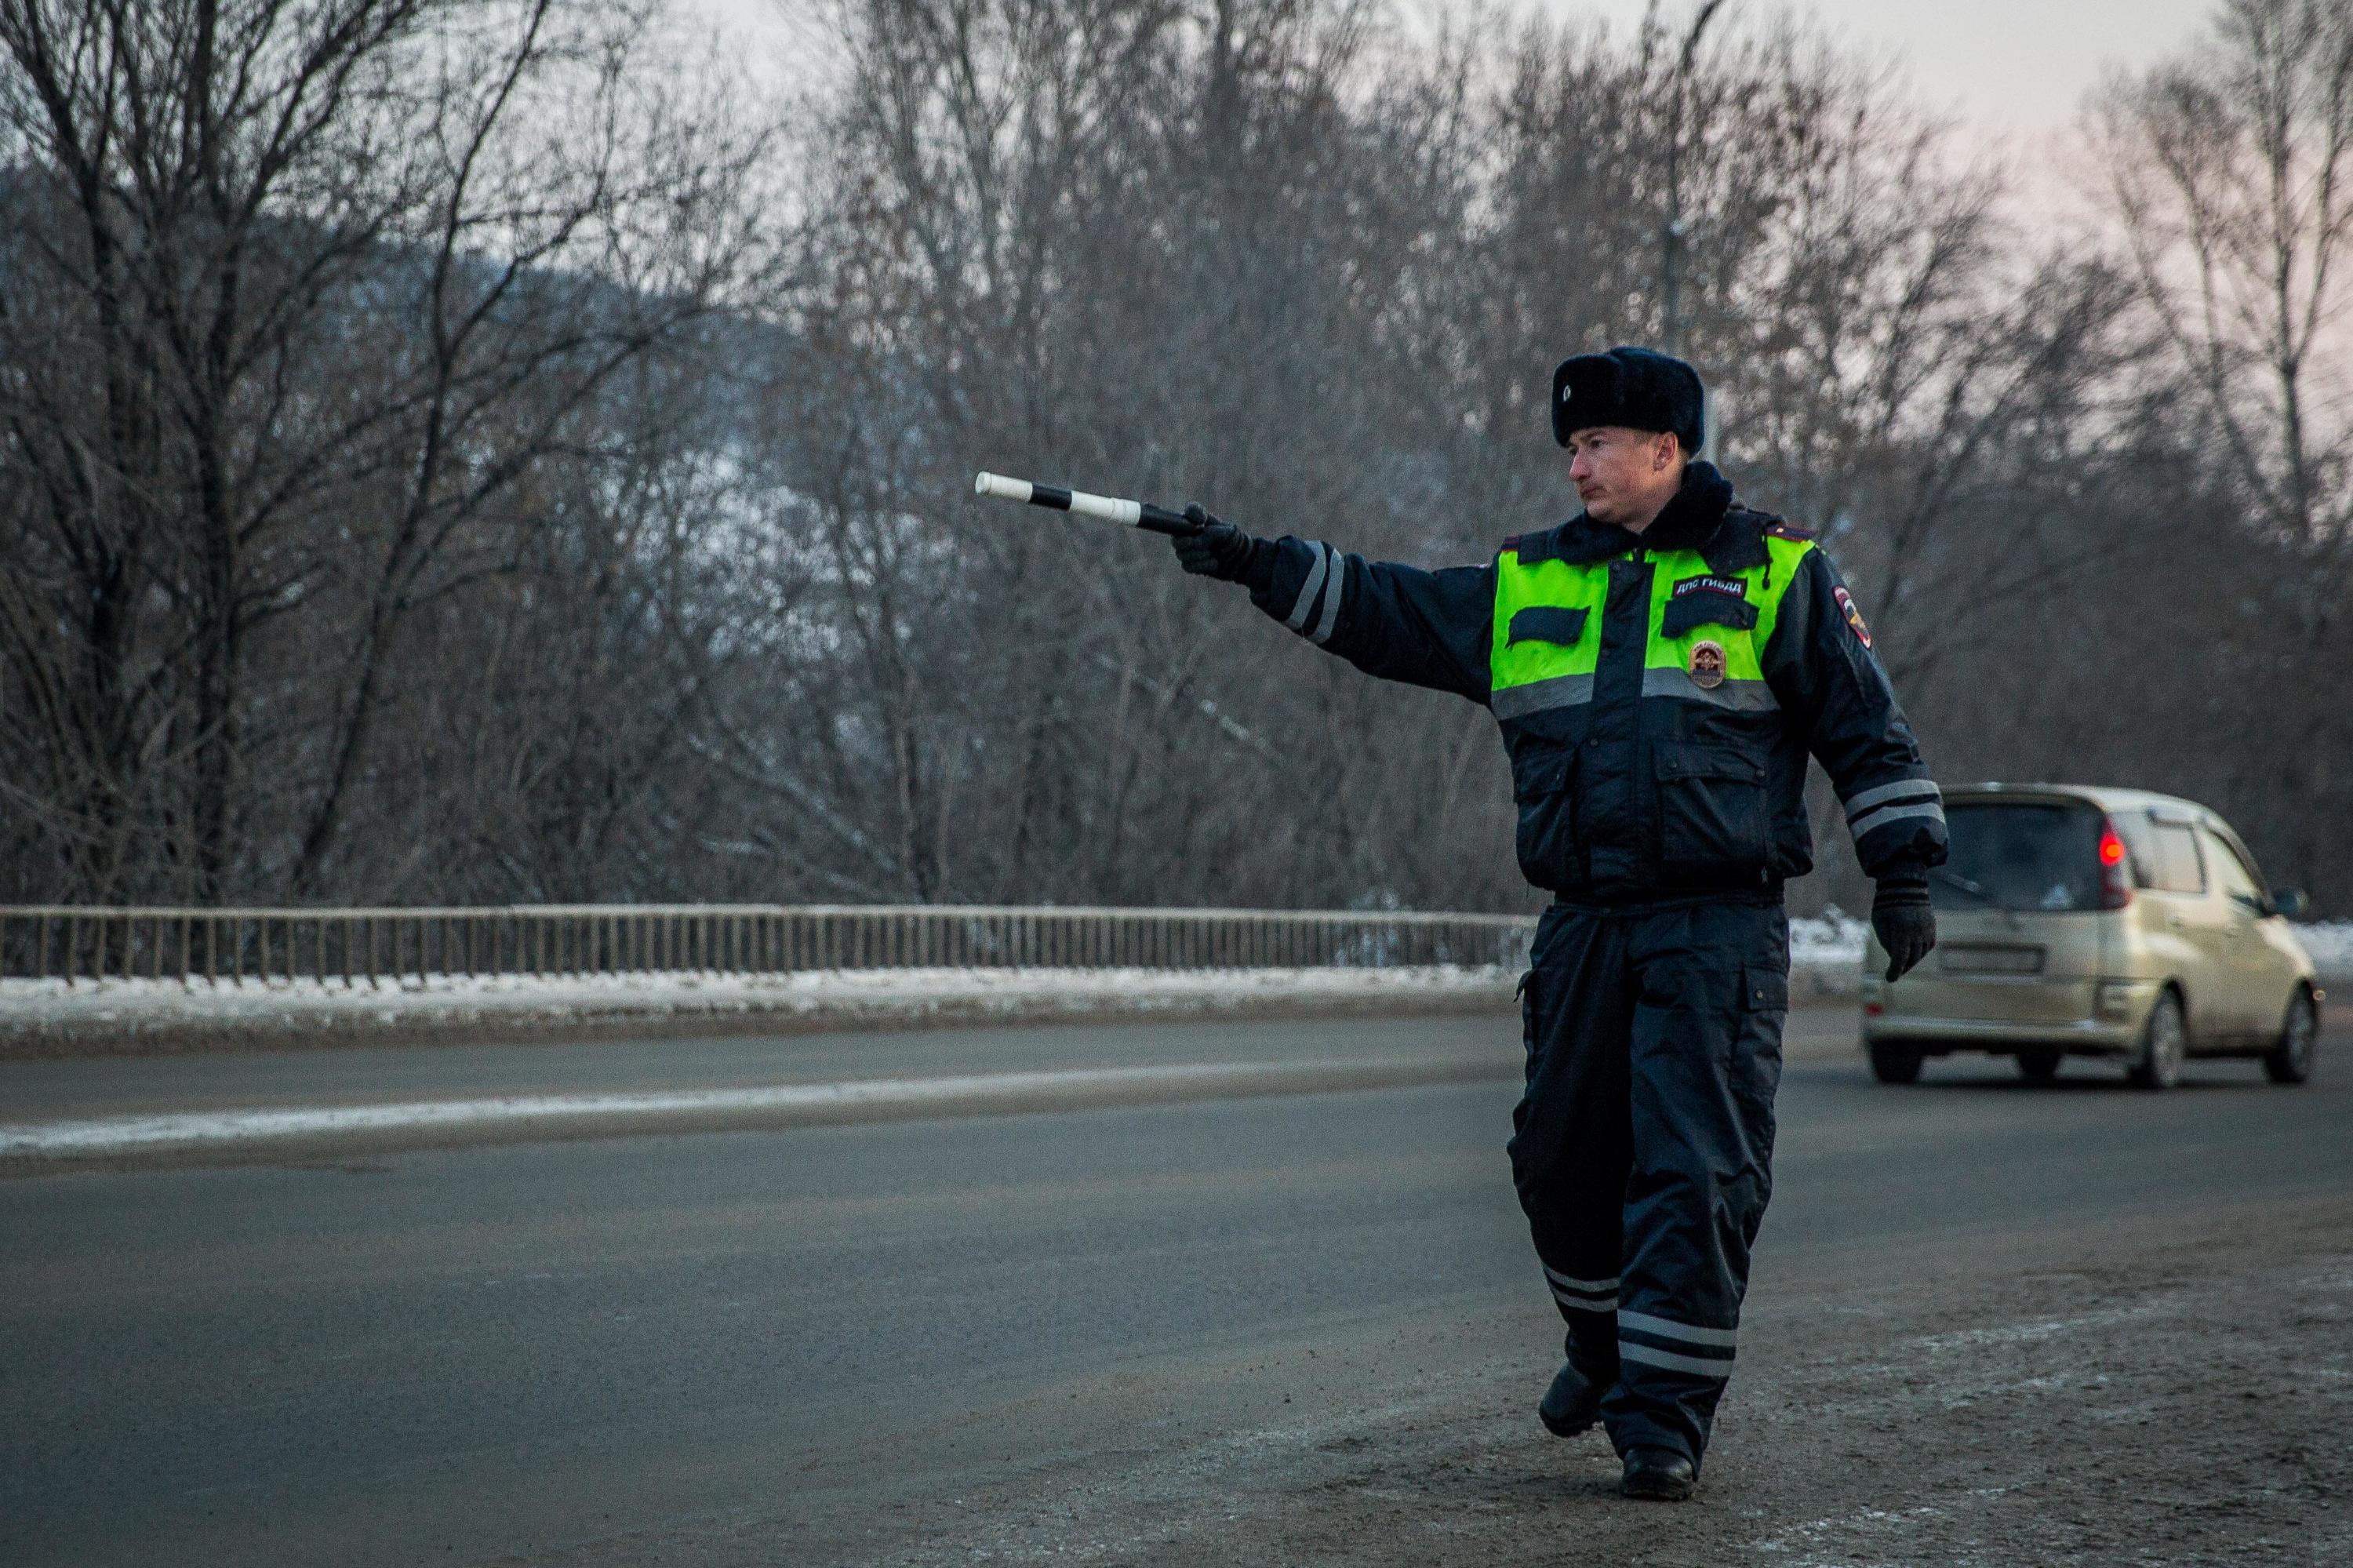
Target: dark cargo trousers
point(1643, 1147)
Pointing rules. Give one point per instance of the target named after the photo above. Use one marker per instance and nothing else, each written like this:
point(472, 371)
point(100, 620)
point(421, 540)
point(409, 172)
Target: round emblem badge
point(1707, 666)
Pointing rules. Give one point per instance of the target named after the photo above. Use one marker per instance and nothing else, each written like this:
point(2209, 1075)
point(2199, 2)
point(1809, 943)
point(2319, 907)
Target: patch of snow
point(1831, 938)
point(1826, 958)
point(2330, 943)
point(1826, 954)
point(851, 995)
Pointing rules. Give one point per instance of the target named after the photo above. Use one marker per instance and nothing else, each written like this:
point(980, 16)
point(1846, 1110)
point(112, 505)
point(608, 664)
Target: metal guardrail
point(234, 946)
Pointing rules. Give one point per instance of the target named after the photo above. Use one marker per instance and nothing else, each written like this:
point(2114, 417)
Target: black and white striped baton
point(1111, 509)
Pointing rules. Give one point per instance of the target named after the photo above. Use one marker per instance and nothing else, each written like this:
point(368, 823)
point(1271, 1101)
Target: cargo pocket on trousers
point(1527, 995)
point(1756, 1066)
point(1711, 816)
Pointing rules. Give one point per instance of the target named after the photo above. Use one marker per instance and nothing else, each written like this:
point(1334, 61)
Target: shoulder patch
point(1853, 616)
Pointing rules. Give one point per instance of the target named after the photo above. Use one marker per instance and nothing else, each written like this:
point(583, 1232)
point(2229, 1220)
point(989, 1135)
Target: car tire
point(2164, 1041)
point(2040, 1065)
point(1893, 1064)
point(2290, 1061)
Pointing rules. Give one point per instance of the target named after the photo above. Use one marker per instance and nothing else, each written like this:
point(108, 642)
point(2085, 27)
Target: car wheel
point(1891, 1063)
point(2163, 1043)
point(2290, 1061)
point(2038, 1066)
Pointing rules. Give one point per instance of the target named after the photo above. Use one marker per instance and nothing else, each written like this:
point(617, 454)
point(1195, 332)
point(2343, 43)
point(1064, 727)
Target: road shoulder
point(2153, 1401)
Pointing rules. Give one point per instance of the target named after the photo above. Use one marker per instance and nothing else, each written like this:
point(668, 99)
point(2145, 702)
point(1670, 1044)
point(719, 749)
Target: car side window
point(2139, 852)
point(2237, 878)
point(2178, 867)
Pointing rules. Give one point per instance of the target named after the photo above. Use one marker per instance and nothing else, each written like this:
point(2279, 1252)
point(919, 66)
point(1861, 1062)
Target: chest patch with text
point(1735, 586)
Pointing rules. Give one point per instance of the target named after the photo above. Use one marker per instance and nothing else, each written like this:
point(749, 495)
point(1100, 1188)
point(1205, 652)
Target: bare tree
point(434, 463)
point(2229, 175)
point(301, 302)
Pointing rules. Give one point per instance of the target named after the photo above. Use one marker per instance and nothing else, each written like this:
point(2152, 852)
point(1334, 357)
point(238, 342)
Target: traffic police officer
point(1661, 666)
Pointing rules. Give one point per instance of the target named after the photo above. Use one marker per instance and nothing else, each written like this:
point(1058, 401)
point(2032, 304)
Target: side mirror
point(2290, 902)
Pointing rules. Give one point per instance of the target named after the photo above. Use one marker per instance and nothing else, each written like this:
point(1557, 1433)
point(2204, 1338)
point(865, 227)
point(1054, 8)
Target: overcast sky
point(2009, 64)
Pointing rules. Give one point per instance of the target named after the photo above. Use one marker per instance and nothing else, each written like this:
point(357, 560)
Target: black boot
point(1571, 1405)
point(1658, 1474)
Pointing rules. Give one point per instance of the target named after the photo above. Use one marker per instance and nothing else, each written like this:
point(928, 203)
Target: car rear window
point(2016, 856)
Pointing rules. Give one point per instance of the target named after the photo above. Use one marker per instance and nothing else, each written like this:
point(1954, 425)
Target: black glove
point(1901, 918)
point(1218, 550)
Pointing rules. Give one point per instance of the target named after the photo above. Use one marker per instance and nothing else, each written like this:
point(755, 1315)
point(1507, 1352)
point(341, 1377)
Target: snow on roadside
point(36, 1010)
point(1825, 954)
point(1826, 941)
point(809, 990)
point(2330, 943)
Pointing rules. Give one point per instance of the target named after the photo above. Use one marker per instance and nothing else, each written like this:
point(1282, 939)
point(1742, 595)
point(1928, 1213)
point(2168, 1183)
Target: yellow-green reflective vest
point(1706, 629)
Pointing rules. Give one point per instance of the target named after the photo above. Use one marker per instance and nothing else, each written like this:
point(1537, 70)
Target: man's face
point(1623, 476)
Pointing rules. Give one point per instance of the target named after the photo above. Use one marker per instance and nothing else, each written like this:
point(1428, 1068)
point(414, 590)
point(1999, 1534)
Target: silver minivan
point(2119, 924)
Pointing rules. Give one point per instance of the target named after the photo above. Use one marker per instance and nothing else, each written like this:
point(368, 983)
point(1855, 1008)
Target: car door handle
point(2176, 921)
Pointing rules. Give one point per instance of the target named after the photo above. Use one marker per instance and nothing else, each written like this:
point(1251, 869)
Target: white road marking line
point(196, 1129)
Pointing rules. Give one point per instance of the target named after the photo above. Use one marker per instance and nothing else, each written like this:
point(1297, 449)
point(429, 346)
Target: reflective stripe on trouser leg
point(1704, 1064)
point(1582, 1295)
point(1568, 1148)
point(1678, 1347)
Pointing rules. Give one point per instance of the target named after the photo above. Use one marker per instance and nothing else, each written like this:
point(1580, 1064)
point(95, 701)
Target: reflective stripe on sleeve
point(1297, 621)
point(1902, 789)
point(1887, 815)
point(1334, 590)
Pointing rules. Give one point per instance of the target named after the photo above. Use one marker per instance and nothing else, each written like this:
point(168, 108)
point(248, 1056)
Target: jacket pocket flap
point(1543, 774)
point(1698, 762)
point(1763, 988)
point(1694, 610)
point(1545, 623)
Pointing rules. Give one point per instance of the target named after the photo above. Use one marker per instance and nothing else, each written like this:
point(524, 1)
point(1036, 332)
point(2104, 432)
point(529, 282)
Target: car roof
point(2107, 798)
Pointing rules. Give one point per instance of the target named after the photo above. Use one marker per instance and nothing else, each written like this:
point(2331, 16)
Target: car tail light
point(1873, 1009)
point(2116, 882)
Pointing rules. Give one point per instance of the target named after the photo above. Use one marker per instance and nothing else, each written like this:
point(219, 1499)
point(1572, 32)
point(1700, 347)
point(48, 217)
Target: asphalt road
point(833, 1343)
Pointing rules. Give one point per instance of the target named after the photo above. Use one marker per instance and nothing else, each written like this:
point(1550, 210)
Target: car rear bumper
point(2101, 1018)
point(2086, 1035)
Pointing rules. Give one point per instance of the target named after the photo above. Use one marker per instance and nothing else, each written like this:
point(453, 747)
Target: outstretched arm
point(1401, 623)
